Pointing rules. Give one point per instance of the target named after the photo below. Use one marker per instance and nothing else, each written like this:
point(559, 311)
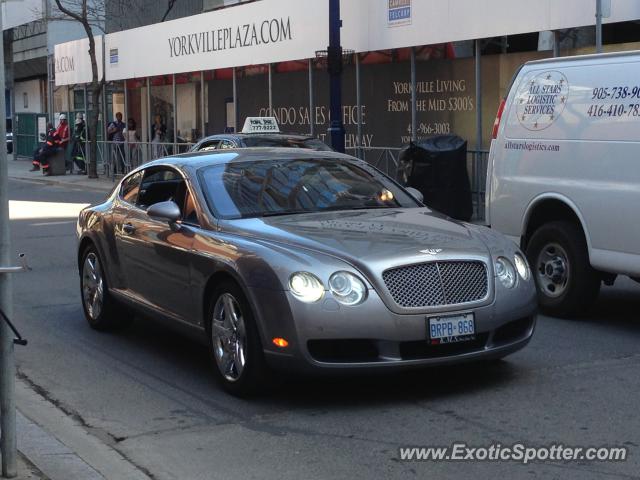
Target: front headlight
point(347, 288)
point(522, 267)
point(306, 287)
point(506, 272)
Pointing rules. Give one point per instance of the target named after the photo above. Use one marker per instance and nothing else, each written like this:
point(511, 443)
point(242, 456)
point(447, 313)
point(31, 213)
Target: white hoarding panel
point(405, 23)
point(73, 64)
point(268, 31)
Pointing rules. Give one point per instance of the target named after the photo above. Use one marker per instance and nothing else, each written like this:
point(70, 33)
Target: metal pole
point(126, 102)
point(149, 119)
point(414, 98)
point(50, 88)
point(312, 108)
point(359, 107)
point(334, 57)
point(86, 129)
point(203, 123)
point(107, 157)
point(478, 75)
point(127, 148)
point(556, 43)
point(270, 89)
point(235, 101)
point(475, 166)
point(598, 26)
point(8, 441)
point(175, 114)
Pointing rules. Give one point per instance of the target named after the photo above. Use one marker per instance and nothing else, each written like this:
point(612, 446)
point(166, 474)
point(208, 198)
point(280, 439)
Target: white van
point(564, 174)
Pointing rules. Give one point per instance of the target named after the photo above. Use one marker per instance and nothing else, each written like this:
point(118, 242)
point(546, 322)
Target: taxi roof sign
point(261, 125)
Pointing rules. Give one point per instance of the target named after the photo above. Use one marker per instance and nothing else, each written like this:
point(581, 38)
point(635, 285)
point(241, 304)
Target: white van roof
point(578, 58)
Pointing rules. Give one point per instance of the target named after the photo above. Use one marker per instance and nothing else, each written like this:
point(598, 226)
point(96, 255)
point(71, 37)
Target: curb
point(61, 448)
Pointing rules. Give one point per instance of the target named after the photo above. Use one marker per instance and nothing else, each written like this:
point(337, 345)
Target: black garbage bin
point(437, 166)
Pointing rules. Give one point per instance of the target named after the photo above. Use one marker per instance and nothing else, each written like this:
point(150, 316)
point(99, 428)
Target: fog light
point(280, 342)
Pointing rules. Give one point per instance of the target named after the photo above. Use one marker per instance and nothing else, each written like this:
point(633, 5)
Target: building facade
point(204, 73)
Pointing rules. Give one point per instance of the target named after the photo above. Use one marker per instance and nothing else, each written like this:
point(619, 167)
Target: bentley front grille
point(436, 284)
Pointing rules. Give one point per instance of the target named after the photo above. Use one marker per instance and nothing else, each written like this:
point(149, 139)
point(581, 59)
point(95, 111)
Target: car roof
point(196, 160)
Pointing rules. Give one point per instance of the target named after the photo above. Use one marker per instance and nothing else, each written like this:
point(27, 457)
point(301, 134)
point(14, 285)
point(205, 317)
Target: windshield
point(286, 142)
point(285, 187)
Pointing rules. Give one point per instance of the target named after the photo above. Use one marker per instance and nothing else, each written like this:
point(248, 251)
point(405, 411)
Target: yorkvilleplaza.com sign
point(268, 31)
point(247, 35)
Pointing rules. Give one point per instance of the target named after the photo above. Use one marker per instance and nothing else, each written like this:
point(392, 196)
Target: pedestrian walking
point(158, 134)
point(115, 134)
point(132, 138)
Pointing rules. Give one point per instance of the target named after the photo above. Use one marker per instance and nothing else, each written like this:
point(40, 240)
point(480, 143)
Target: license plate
point(452, 328)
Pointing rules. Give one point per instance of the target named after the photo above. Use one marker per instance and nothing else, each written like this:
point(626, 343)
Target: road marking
point(47, 224)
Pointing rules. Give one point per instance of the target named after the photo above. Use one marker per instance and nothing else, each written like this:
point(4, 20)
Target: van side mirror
point(415, 193)
point(166, 211)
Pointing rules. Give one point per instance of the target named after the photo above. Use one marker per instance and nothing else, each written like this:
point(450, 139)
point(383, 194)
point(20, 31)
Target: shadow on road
point(191, 359)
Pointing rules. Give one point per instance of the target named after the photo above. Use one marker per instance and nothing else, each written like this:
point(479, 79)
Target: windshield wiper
point(320, 210)
point(282, 213)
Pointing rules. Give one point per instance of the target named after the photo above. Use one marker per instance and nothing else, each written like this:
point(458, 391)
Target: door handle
point(128, 229)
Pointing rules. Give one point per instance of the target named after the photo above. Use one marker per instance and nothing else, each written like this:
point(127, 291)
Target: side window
point(226, 144)
point(189, 213)
point(209, 145)
point(160, 185)
point(130, 188)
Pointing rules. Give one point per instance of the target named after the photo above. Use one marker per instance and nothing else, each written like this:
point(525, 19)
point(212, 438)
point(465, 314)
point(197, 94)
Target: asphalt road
point(150, 394)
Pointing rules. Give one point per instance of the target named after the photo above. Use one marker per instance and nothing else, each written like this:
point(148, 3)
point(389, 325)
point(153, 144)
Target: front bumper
point(327, 336)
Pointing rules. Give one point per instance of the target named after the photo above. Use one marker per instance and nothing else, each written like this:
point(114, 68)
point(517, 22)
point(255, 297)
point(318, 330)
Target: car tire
point(567, 283)
point(100, 309)
point(235, 348)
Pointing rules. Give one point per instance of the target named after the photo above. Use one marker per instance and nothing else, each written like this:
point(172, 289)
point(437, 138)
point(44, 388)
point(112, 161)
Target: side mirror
point(415, 193)
point(167, 211)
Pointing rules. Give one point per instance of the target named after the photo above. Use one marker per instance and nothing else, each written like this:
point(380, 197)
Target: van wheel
point(567, 284)
point(234, 342)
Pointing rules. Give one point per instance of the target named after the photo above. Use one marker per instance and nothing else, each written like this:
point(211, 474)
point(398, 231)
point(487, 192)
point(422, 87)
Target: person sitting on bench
point(46, 148)
point(62, 136)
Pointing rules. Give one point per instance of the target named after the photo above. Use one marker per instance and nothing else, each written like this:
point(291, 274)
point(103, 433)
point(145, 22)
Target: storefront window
point(161, 126)
point(189, 117)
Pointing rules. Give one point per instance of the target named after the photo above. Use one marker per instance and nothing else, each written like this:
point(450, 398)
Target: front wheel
point(234, 342)
point(567, 284)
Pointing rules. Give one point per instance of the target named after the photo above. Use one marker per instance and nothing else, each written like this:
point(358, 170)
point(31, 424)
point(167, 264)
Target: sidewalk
point(19, 170)
point(54, 446)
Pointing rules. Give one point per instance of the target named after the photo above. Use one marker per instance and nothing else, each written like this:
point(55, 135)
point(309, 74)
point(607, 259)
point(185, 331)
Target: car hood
point(370, 239)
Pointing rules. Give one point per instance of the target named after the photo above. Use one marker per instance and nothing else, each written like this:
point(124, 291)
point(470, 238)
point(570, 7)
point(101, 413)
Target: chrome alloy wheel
point(553, 270)
point(92, 286)
point(229, 337)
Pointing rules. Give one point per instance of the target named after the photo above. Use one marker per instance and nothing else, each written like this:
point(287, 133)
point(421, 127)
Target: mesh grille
point(437, 283)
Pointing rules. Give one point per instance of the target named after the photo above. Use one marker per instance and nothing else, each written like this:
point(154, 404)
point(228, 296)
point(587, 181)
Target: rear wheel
point(100, 309)
point(567, 284)
point(234, 342)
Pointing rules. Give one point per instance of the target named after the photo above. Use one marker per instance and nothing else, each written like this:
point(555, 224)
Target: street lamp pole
point(8, 443)
point(334, 60)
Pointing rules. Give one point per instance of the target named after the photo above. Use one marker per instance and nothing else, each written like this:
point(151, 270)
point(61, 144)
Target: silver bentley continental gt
point(287, 259)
